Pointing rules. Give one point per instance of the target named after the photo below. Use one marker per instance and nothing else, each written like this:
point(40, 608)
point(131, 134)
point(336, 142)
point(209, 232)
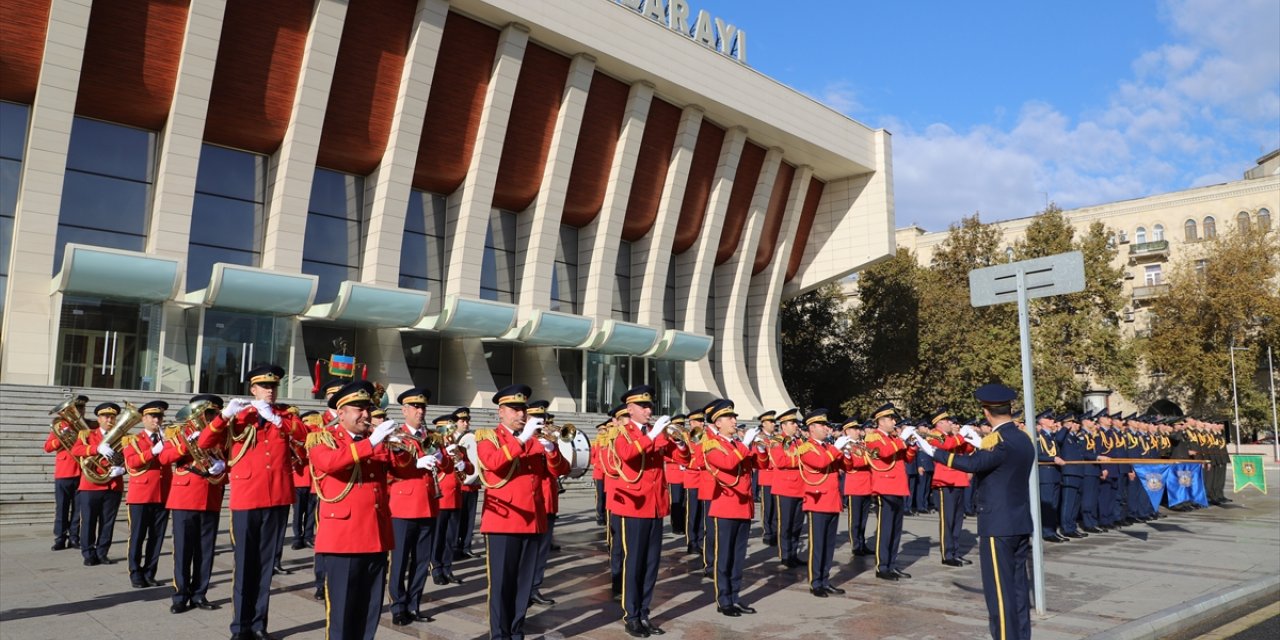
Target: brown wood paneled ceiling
point(532, 124)
point(702, 172)
point(601, 126)
point(458, 87)
point(651, 169)
point(130, 66)
point(256, 75)
point(366, 80)
point(739, 207)
point(811, 199)
point(773, 218)
point(22, 29)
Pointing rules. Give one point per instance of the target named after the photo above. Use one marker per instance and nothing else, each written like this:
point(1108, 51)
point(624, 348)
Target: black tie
point(357, 438)
point(155, 437)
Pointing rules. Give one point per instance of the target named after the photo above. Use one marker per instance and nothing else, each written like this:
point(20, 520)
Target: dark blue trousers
point(731, 555)
point(544, 552)
point(1139, 503)
point(66, 517)
point(148, 524)
point(98, 511)
point(769, 516)
point(1049, 507)
point(1107, 500)
point(466, 522)
point(822, 548)
point(509, 564)
point(304, 515)
point(678, 496)
point(950, 521)
point(924, 492)
point(790, 526)
point(442, 543)
point(859, 510)
point(194, 534)
point(353, 594)
point(410, 562)
point(615, 552)
point(255, 536)
point(908, 501)
point(1121, 500)
point(641, 554)
point(888, 532)
point(708, 539)
point(600, 510)
point(1089, 489)
point(1069, 503)
point(970, 503)
point(694, 533)
point(1005, 585)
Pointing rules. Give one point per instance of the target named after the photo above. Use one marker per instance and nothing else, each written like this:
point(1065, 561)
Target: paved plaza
point(1134, 577)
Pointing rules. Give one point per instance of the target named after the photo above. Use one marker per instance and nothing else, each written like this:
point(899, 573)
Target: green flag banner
point(1247, 470)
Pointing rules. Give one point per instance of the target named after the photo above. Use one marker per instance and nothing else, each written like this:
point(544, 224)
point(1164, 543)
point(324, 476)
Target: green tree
point(1223, 292)
point(819, 348)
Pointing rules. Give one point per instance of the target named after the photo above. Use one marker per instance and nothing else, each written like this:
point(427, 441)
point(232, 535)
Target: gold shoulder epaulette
point(990, 440)
point(128, 441)
point(321, 437)
point(486, 434)
point(872, 437)
point(84, 436)
point(173, 431)
point(804, 448)
point(710, 444)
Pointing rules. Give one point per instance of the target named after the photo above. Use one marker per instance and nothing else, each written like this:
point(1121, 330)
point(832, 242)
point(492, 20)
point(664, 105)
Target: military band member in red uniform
point(641, 503)
point(66, 481)
point(327, 418)
point(148, 491)
point(889, 457)
point(950, 483)
point(450, 499)
point(674, 473)
point(304, 498)
point(512, 461)
point(258, 436)
point(764, 478)
point(788, 492)
point(619, 416)
point(730, 462)
point(820, 467)
point(466, 441)
point(597, 470)
point(857, 491)
point(352, 462)
point(195, 504)
point(414, 507)
point(696, 502)
point(551, 499)
point(99, 502)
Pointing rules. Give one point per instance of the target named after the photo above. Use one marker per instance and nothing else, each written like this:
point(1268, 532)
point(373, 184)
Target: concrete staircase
point(26, 471)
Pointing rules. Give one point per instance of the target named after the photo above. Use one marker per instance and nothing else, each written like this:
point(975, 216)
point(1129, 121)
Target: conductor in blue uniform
point(1002, 468)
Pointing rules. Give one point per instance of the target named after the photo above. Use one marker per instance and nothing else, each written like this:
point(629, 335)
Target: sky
point(999, 107)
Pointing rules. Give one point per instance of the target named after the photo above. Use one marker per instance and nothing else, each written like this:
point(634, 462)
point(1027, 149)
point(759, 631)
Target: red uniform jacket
point(361, 521)
point(190, 491)
point(597, 469)
point(674, 472)
point(730, 462)
point(944, 476)
point(820, 466)
point(764, 475)
point(550, 487)
point(414, 492)
point(87, 446)
point(512, 475)
point(641, 490)
point(450, 486)
point(888, 470)
point(263, 477)
point(695, 473)
point(857, 479)
point(786, 470)
point(148, 477)
point(302, 466)
point(65, 465)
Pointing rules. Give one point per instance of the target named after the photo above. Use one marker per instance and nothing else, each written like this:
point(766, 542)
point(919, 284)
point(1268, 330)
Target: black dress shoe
point(152, 582)
point(1054, 539)
point(901, 574)
point(179, 607)
point(449, 577)
point(261, 635)
point(742, 608)
point(555, 547)
point(439, 579)
point(636, 630)
point(422, 617)
point(401, 619)
point(965, 561)
point(821, 593)
point(538, 598)
point(319, 595)
point(58, 546)
point(139, 585)
point(952, 563)
point(205, 604)
point(90, 562)
point(464, 554)
point(653, 629)
point(106, 560)
point(297, 544)
point(886, 575)
point(1076, 534)
point(279, 569)
point(731, 611)
point(1091, 530)
point(835, 591)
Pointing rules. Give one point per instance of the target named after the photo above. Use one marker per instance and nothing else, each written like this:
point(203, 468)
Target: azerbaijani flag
point(342, 366)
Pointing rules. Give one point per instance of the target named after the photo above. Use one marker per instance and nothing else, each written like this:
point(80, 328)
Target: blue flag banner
point(1152, 477)
point(1185, 483)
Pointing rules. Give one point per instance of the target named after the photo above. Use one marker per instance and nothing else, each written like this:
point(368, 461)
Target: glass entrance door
point(108, 345)
point(234, 343)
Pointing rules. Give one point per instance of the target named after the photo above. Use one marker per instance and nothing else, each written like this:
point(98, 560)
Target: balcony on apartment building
point(1149, 292)
point(1148, 251)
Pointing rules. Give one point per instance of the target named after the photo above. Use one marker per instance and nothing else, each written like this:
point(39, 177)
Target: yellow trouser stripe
point(811, 550)
point(942, 522)
point(879, 529)
point(995, 571)
point(622, 530)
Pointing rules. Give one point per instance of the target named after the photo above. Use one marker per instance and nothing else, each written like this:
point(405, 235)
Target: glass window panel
point(13, 129)
point(6, 241)
point(330, 240)
point(1242, 221)
point(336, 194)
point(95, 237)
point(10, 173)
point(226, 222)
point(1190, 229)
point(1264, 220)
point(100, 202)
point(422, 354)
point(568, 250)
point(1140, 236)
point(1210, 228)
point(201, 258)
point(489, 268)
point(331, 277)
point(507, 228)
point(232, 173)
point(111, 149)
point(413, 256)
point(570, 361)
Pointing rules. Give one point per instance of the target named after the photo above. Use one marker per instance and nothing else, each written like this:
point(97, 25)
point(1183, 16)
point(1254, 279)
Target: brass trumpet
point(191, 421)
point(98, 468)
point(68, 412)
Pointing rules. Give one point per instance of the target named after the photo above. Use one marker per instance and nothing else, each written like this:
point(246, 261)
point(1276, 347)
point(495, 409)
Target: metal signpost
point(1021, 281)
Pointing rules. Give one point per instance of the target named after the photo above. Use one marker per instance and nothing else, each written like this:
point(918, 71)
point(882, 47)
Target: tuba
point(97, 468)
point(180, 435)
point(68, 412)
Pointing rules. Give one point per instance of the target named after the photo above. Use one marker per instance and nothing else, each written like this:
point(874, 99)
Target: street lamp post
point(1275, 430)
point(1235, 396)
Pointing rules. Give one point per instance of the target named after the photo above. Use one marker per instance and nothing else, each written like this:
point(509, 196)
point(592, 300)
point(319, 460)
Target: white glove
point(750, 436)
point(381, 432)
point(657, 428)
point(427, 462)
point(451, 449)
point(548, 446)
point(842, 441)
point(967, 432)
point(907, 434)
point(531, 427)
point(234, 407)
point(217, 467)
point(105, 450)
point(972, 437)
point(193, 437)
point(116, 472)
point(924, 445)
point(157, 448)
point(267, 413)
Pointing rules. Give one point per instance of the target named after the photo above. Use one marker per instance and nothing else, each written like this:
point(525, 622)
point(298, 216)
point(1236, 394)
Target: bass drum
point(578, 453)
